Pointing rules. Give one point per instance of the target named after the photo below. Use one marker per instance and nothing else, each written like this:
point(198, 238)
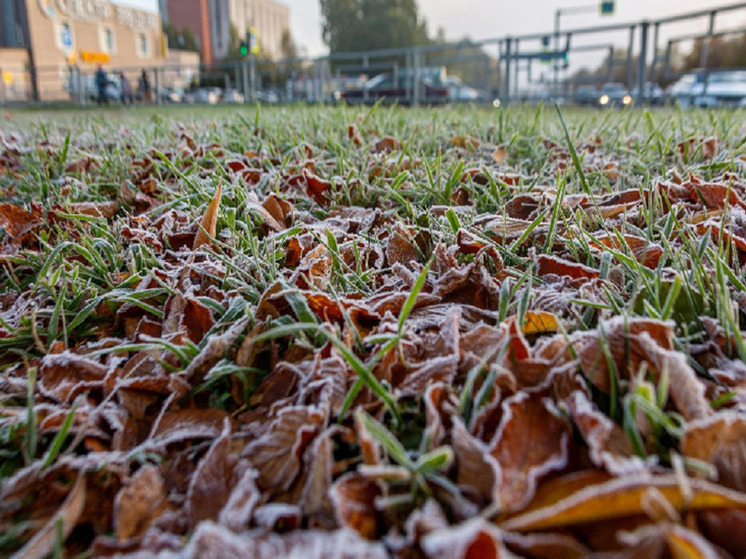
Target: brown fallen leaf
point(387, 144)
point(139, 503)
point(353, 497)
point(16, 221)
point(500, 155)
point(66, 518)
point(527, 417)
point(466, 142)
point(209, 221)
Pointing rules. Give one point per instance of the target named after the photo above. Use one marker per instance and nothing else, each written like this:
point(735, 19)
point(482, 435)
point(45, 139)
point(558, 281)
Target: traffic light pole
point(604, 8)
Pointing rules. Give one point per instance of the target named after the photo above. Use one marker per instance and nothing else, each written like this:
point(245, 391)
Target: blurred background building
point(218, 24)
point(41, 40)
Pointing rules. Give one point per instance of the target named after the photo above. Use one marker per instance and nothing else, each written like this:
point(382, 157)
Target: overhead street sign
point(607, 7)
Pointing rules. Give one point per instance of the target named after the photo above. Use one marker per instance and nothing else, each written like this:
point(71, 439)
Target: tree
point(359, 25)
point(181, 40)
point(288, 48)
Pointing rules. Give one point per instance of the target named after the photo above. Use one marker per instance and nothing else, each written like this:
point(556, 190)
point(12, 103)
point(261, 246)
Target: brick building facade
point(211, 22)
point(59, 34)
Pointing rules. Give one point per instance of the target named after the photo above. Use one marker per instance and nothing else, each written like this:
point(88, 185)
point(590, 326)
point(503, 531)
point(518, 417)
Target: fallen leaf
point(209, 222)
point(139, 502)
point(353, 497)
point(500, 155)
point(539, 322)
point(618, 498)
point(60, 525)
point(527, 417)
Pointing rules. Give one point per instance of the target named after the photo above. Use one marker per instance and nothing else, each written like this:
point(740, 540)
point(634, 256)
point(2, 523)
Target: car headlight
point(627, 99)
point(604, 100)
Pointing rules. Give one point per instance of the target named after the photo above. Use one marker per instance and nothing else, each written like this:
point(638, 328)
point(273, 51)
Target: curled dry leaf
point(209, 222)
point(216, 474)
point(527, 416)
point(500, 155)
point(277, 453)
point(387, 144)
point(139, 502)
point(16, 221)
point(719, 440)
point(213, 540)
point(59, 526)
point(354, 496)
point(469, 540)
point(585, 500)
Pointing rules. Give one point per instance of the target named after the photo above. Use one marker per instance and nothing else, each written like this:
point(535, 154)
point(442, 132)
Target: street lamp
point(605, 8)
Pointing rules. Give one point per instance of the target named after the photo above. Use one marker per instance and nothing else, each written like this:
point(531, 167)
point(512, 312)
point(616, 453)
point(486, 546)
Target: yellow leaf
point(685, 544)
point(209, 221)
point(539, 322)
point(617, 498)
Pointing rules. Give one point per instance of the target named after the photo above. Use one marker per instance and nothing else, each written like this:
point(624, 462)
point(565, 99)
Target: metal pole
point(365, 71)
point(252, 75)
point(81, 93)
point(555, 68)
point(508, 44)
point(703, 52)
point(654, 63)
point(641, 62)
point(629, 56)
point(156, 87)
point(416, 80)
point(408, 73)
point(517, 69)
point(245, 81)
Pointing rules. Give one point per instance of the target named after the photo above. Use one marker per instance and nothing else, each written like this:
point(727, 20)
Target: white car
point(723, 88)
point(458, 91)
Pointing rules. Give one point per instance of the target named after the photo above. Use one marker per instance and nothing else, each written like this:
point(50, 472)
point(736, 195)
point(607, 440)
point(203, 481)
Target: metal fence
point(513, 68)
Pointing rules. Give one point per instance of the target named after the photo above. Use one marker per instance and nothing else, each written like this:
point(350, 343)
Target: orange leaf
point(685, 544)
point(621, 498)
point(466, 142)
point(209, 221)
point(539, 322)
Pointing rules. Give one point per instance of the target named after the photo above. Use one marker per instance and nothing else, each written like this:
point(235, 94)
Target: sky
point(485, 19)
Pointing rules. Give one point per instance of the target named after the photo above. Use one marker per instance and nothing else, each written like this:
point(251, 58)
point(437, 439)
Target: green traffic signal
point(243, 49)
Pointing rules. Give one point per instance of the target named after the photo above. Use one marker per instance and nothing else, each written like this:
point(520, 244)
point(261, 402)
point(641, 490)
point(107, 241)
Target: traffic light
point(243, 49)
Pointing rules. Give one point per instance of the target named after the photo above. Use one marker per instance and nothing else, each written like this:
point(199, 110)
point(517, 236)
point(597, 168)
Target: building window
point(64, 36)
point(143, 45)
point(106, 40)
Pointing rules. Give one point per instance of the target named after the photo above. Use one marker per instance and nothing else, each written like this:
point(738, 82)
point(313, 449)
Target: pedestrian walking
point(144, 87)
point(125, 90)
point(101, 82)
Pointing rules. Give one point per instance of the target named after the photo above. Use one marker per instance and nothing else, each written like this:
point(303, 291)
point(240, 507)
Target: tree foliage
point(358, 25)
point(182, 40)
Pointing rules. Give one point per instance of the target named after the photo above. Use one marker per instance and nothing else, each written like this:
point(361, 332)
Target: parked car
point(614, 95)
point(586, 95)
point(90, 91)
point(389, 88)
point(204, 96)
point(232, 96)
point(171, 94)
point(654, 93)
point(720, 88)
point(459, 92)
point(269, 97)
